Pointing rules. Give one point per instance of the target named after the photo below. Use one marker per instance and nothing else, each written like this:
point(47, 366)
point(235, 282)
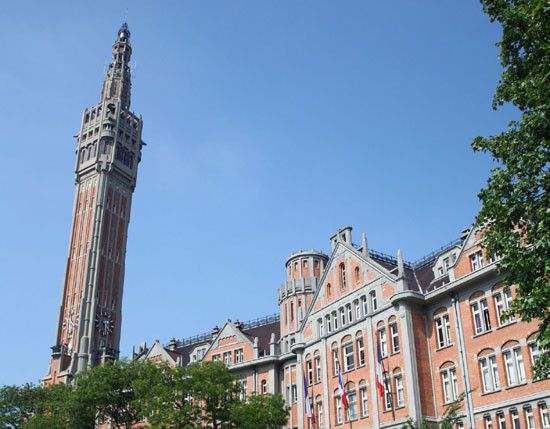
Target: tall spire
point(117, 83)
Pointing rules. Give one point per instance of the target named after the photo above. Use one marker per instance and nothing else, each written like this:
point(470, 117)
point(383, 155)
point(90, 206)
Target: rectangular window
point(335, 361)
point(387, 393)
point(450, 385)
point(513, 362)
point(364, 305)
point(349, 361)
point(443, 330)
point(544, 417)
point(357, 310)
point(350, 313)
point(320, 422)
point(400, 399)
point(338, 410)
point(352, 405)
point(489, 373)
point(364, 401)
point(243, 389)
point(515, 419)
point(342, 317)
point(383, 342)
point(476, 260)
point(238, 355)
point(227, 358)
point(309, 366)
point(317, 369)
point(329, 324)
point(335, 320)
point(480, 314)
point(503, 300)
point(529, 418)
point(501, 421)
point(360, 351)
point(394, 337)
point(488, 422)
point(294, 393)
point(320, 327)
point(373, 302)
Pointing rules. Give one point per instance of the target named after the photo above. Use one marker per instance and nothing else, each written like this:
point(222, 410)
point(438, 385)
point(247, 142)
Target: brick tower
point(107, 155)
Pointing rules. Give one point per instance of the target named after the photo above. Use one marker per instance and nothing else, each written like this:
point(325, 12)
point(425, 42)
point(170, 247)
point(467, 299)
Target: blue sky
point(268, 126)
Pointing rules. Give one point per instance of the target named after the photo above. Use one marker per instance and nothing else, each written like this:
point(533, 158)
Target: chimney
point(173, 344)
point(238, 325)
point(365, 244)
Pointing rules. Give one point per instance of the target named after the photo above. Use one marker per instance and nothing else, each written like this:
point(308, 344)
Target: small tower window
point(356, 274)
point(343, 276)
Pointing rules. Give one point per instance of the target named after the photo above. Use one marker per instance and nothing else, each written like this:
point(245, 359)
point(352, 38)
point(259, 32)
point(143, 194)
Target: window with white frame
point(320, 420)
point(227, 358)
point(373, 301)
point(244, 386)
point(349, 359)
point(352, 403)
point(513, 362)
point(342, 316)
point(238, 355)
point(503, 301)
point(544, 416)
point(449, 383)
point(515, 419)
point(364, 400)
point(480, 315)
point(320, 327)
point(476, 260)
point(357, 306)
point(388, 403)
point(489, 371)
point(488, 422)
point(338, 403)
point(360, 351)
point(443, 330)
point(317, 368)
point(335, 360)
point(399, 394)
point(264, 387)
point(349, 312)
point(501, 420)
point(529, 417)
point(329, 323)
point(383, 341)
point(335, 320)
point(394, 333)
point(309, 370)
point(294, 393)
point(364, 305)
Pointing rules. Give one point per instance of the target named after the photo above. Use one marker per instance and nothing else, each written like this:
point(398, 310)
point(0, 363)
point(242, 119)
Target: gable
point(157, 353)
point(228, 340)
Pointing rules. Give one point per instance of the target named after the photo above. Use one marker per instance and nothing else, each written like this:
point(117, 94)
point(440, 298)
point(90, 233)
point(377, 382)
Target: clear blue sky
point(269, 125)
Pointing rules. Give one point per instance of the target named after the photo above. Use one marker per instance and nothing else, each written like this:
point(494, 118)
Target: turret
point(303, 270)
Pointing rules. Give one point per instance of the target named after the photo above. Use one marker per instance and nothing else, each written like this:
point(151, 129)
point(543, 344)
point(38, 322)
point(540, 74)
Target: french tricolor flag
point(379, 371)
point(309, 413)
point(341, 389)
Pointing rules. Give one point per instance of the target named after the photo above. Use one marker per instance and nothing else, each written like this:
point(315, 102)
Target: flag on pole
point(341, 390)
point(308, 405)
point(379, 372)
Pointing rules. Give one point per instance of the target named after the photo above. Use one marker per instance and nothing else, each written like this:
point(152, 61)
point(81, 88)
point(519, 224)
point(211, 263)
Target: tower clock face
point(104, 323)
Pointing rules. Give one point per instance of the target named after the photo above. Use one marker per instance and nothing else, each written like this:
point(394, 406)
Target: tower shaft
point(108, 152)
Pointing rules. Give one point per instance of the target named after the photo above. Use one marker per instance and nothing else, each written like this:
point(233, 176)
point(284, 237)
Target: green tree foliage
point(515, 215)
point(123, 393)
point(259, 412)
point(449, 421)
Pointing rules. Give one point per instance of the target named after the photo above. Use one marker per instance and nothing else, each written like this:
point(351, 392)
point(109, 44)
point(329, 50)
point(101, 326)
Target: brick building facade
point(437, 323)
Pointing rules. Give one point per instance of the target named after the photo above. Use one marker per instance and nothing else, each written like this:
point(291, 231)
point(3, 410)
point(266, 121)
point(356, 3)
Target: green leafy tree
point(515, 215)
point(259, 412)
point(449, 420)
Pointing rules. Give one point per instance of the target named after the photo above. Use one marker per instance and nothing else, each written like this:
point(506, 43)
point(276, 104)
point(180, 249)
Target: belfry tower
point(107, 155)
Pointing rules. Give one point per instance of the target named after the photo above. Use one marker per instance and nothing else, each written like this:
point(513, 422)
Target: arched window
point(335, 358)
point(348, 353)
point(513, 363)
point(382, 339)
point(449, 382)
point(356, 275)
point(502, 296)
point(329, 291)
point(264, 387)
point(319, 411)
point(534, 351)
point(309, 370)
point(338, 407)
point(360, 348)
point(394, 335)
point(343, 275)
point(317, 362)
point(489, 370)
point(442, 327)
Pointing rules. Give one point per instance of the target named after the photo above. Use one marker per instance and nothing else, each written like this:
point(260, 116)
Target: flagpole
point(389, 387)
